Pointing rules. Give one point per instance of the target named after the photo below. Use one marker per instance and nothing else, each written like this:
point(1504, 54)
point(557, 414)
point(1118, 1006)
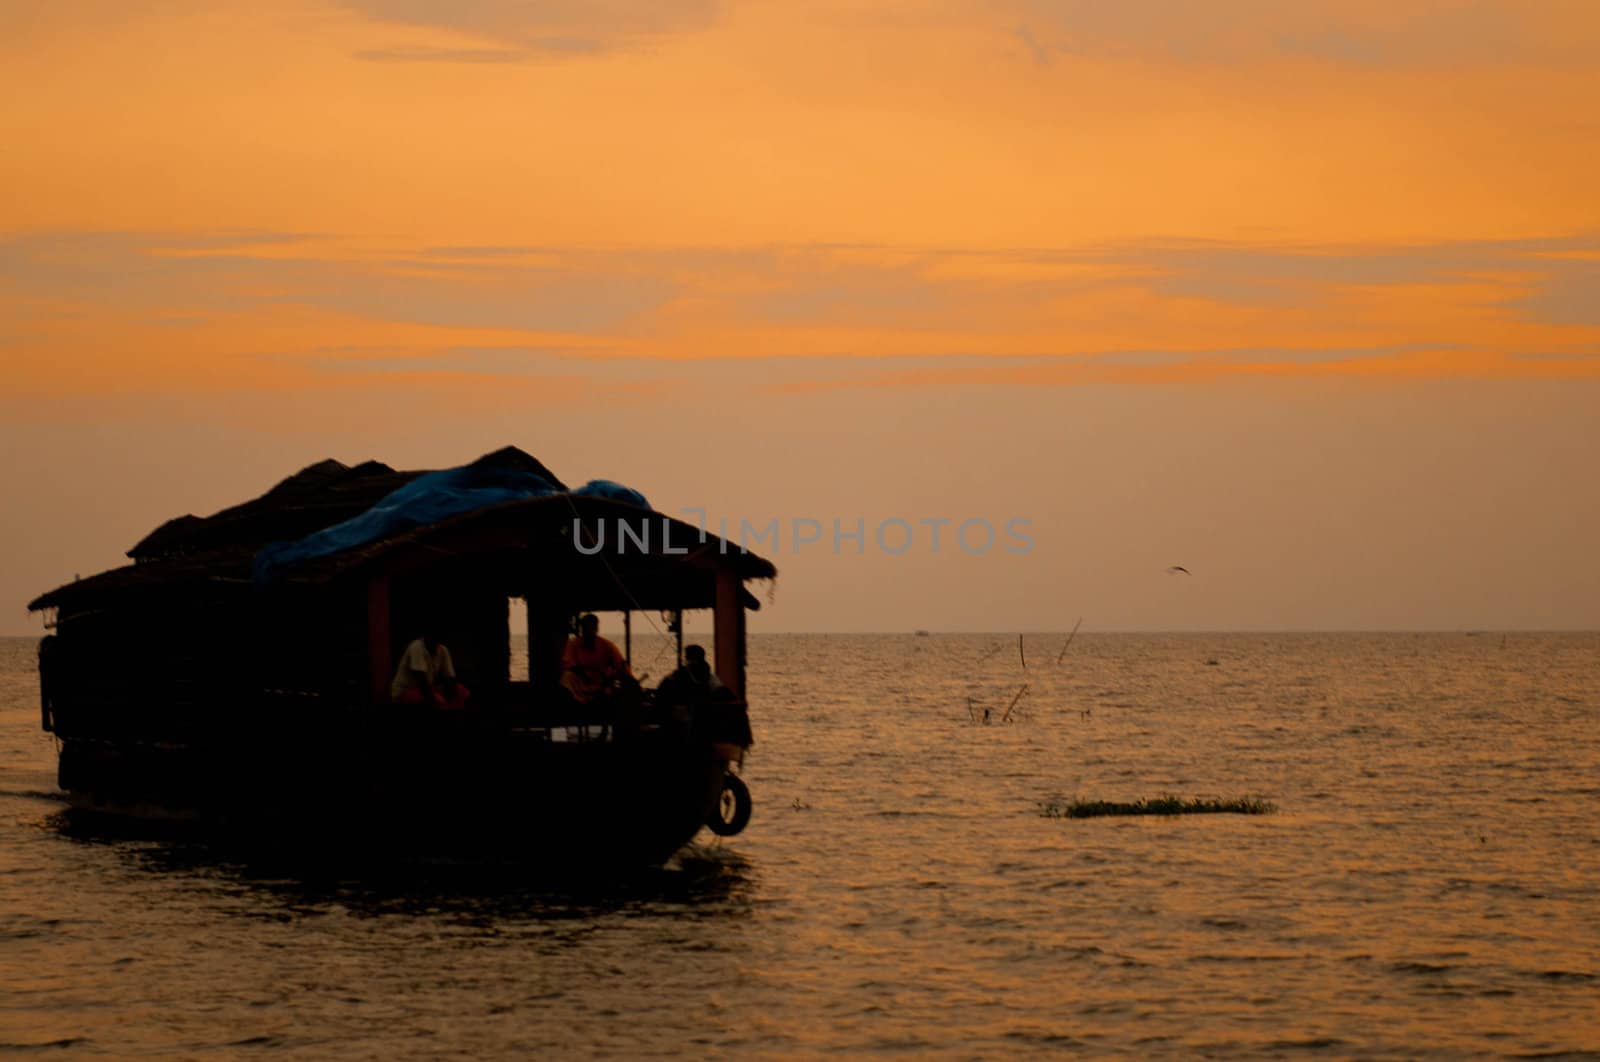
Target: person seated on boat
point(693, 683)
point(693, 692)
point(695, 696)
point(427, 675)
point(593, 666)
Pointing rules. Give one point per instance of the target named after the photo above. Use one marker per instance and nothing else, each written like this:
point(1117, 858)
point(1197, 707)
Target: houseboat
point(238, 673)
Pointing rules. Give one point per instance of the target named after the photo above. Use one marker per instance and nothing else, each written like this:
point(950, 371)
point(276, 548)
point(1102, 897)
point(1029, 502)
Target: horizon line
point(930, 632)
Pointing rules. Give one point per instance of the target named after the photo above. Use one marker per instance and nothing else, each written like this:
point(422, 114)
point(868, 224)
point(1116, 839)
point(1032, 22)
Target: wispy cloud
point(444, 55)
point(96, 309)
point(532, 28)
point(1041, 54)
point(1360, 33)
point(1568, 295)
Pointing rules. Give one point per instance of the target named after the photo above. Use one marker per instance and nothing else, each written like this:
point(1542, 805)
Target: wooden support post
point(627, 637)
point(380, 653)
point(728, 618)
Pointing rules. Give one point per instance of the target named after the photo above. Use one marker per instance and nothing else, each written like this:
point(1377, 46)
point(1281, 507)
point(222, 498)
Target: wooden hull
point(423, 784)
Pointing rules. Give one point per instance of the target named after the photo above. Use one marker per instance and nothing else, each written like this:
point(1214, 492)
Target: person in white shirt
point(427, 675)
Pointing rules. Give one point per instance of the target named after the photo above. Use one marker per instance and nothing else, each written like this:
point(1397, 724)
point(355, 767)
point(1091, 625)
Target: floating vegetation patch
point(1166, 804)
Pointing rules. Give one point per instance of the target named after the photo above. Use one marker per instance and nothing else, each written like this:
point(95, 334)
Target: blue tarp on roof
point(426, 500)
point(605, 488)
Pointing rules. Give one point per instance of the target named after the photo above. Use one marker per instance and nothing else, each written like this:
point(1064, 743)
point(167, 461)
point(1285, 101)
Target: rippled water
point(1429, 887)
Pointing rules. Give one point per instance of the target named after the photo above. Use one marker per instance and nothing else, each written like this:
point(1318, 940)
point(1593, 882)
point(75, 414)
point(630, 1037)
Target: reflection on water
point(702, 877)
point(698, 883)
point(1431, 885)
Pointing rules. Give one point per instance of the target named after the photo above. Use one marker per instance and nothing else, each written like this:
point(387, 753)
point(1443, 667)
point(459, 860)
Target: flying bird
point(1176, 568)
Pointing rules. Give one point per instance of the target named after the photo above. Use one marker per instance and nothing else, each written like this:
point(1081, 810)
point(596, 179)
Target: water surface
point(1429, 888)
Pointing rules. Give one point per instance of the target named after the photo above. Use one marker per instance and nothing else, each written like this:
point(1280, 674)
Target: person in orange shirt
point(592, 665)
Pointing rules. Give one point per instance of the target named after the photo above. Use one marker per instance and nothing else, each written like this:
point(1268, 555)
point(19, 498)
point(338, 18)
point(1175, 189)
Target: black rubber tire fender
point(723, 820)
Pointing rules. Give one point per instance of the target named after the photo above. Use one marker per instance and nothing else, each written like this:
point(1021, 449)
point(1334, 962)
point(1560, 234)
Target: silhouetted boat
point(229, 679)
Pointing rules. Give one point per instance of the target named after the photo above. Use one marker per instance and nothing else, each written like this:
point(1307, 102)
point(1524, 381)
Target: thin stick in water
point(1007, 717)
point(1062, 655)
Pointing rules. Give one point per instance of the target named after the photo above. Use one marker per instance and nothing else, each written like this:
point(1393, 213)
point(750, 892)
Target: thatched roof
point(218, 550)
point(315, 497)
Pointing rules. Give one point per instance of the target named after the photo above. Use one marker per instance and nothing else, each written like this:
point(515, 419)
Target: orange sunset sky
point(1304, 297)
